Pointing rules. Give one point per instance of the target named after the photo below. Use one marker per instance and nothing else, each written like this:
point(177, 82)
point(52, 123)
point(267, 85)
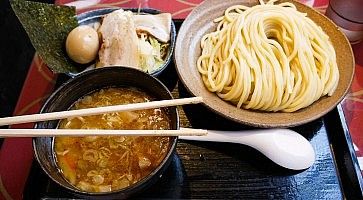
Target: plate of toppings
point(139, 38)
point(264, 64)
point(68, 43)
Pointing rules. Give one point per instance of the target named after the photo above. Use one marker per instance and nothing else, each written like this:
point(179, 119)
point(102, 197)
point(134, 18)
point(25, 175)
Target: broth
point(107, 163)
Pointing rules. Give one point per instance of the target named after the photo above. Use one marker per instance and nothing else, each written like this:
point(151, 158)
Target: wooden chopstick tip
point(198, 100)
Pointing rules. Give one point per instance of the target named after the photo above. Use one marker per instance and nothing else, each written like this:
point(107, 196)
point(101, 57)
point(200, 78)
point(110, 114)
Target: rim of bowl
point(133, 186)
point(97, 13)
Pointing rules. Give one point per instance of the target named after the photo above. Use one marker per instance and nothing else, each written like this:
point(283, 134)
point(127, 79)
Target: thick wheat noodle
point(268, 57)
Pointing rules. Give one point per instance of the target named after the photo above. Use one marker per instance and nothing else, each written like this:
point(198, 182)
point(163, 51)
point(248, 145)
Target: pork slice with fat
point(119, 40)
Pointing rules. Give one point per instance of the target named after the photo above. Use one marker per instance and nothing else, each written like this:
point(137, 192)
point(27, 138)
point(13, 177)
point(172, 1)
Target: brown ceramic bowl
point(187, 51)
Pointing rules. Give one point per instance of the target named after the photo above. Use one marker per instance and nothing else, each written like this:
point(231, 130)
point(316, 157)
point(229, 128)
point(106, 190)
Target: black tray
point(217, 170)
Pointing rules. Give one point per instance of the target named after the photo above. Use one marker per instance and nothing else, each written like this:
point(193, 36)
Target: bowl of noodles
point(111, 167)
point(264, 64)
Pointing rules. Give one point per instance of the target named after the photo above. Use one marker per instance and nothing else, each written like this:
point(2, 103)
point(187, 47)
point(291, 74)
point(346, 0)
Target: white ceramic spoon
point(285, 147)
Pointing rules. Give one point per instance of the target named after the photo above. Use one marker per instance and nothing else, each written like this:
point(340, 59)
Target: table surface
point(199, 169)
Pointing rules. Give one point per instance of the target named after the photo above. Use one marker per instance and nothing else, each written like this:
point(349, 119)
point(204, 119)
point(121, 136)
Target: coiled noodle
point(268, 57)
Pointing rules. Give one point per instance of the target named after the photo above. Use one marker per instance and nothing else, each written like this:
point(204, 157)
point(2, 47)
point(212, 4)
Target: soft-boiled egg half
point(82, 44)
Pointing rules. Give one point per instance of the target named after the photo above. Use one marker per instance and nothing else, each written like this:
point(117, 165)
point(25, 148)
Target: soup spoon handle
point(285, 147)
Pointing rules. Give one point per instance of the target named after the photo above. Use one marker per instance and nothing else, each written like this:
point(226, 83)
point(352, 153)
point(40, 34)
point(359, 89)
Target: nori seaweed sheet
point(47, 26)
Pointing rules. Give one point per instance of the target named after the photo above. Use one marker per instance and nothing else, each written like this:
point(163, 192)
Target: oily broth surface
point(102, 164)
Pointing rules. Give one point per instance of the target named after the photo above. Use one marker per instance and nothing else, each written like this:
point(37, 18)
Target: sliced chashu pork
point(119, 40)
point(157, 25)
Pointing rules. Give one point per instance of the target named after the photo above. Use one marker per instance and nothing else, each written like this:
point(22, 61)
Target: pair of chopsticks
point(96, 111)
